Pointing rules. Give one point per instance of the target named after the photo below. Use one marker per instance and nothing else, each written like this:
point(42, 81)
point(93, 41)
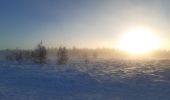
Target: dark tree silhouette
point(62, 55)
point(39, 55)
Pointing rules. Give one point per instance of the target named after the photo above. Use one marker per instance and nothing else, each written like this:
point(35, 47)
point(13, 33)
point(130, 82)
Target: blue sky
point(81, 23)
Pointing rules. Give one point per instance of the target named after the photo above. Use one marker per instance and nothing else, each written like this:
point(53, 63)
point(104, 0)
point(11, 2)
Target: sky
point(80, 23)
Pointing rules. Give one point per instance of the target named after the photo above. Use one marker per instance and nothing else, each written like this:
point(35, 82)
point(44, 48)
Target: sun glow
point(139, 41)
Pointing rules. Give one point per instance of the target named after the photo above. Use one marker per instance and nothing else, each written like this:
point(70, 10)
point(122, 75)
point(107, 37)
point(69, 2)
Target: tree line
point(38, 55)
point(40, 52)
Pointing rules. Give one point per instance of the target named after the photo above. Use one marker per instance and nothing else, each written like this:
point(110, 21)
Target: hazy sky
point(81, 23)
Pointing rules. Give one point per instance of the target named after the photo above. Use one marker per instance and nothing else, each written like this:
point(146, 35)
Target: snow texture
point(96, 80)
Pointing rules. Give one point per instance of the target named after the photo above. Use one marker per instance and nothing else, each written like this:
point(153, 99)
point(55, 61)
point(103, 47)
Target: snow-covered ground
point(96, 80)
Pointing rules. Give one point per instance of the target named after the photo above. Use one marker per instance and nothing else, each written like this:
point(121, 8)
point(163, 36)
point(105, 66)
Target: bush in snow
point(18, 55)
point(86, 58)
point(62, 55)
point(15, 55)
point(39, 55)
point(9, 56)
point(95, 55)
point(26, 55)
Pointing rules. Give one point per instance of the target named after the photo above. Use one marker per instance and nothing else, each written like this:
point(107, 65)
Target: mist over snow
point(96, 78)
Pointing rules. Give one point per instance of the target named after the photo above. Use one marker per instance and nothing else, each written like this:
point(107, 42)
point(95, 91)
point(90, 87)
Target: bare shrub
point(62, 55)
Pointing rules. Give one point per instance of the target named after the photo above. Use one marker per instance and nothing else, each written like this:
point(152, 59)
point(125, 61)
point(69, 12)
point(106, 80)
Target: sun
point(139, 41)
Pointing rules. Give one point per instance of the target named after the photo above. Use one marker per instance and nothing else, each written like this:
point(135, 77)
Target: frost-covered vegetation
point(82, 74)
